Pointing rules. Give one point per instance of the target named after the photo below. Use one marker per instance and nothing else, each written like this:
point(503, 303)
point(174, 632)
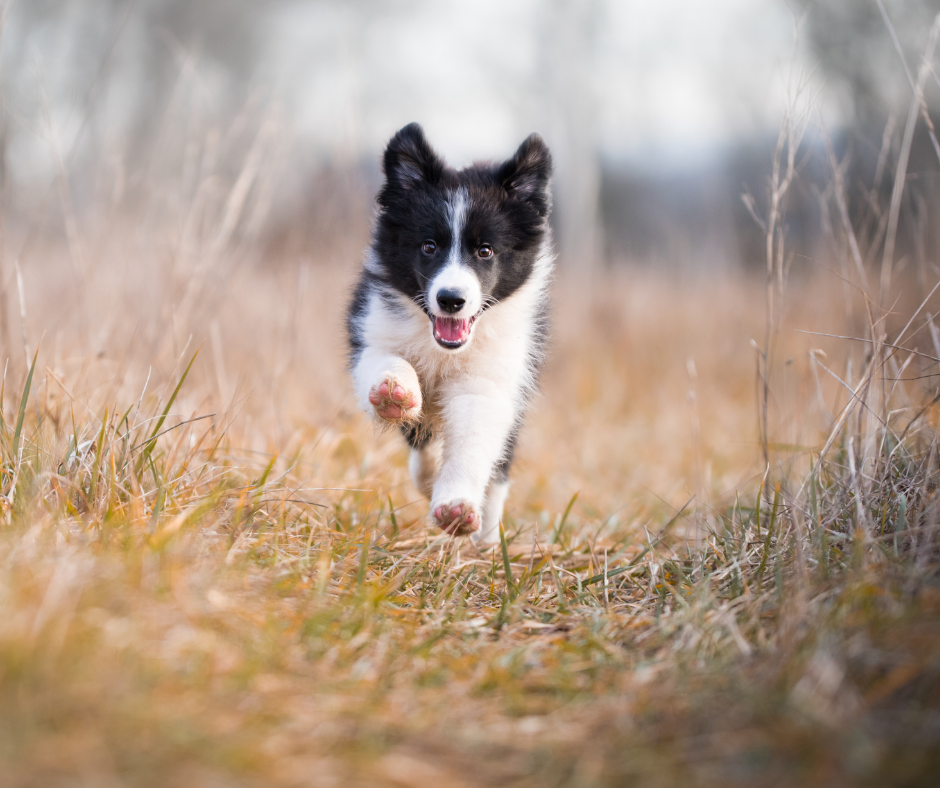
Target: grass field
point(213, 571)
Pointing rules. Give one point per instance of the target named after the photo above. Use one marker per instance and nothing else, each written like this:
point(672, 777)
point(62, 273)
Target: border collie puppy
point(447, 326)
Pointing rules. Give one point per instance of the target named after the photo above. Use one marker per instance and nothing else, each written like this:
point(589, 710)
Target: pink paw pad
point(457, 519)
point(392, 400)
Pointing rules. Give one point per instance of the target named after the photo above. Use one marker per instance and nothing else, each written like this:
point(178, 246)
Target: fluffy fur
point(447, 325)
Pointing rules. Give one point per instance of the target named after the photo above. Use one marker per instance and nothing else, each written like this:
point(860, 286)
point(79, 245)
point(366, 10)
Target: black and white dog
point(447, 327)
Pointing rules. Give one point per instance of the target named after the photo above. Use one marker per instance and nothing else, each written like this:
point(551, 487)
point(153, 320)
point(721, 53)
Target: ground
point(215, 571)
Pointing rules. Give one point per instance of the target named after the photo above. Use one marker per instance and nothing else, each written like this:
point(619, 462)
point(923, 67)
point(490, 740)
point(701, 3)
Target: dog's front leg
point(477, 419)
point(387, 385)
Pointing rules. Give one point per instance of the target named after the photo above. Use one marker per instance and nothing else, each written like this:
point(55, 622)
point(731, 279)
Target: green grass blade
point(639, 556)
point(99, 450)
point(564, 518)
point(15, 448)
point(391, 516)
point(151, 442)
point(769, 535)
point(510, 585)
point(363, 562)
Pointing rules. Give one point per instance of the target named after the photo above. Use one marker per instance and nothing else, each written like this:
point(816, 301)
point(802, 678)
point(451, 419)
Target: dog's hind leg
point(425, 461)
point(496, 493)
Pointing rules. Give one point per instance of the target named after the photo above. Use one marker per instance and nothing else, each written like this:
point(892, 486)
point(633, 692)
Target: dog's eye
point(485, 252)
point(429, 248)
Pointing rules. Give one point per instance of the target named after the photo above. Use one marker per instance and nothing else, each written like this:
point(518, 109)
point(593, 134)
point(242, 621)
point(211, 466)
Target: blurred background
point(201, 174)
point(660, 115)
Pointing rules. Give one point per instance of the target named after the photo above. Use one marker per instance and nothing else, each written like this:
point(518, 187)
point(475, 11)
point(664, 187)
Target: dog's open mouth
point(452, 332)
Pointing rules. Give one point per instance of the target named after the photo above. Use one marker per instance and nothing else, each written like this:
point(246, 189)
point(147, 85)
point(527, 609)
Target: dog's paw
point(395, 400)
point(458, 517)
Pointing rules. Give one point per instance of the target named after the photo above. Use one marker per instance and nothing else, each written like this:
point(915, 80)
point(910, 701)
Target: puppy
point(447, 325)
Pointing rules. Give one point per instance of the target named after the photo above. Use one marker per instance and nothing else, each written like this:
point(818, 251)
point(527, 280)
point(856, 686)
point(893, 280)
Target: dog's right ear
point(410, 161)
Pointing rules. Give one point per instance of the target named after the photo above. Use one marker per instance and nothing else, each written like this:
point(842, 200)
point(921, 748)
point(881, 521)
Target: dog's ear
point(410, 160)
point(527, 174)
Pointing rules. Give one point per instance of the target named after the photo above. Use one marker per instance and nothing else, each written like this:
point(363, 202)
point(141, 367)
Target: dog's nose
point(450, 301)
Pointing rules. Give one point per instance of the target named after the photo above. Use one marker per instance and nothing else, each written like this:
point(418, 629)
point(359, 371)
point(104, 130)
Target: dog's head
point(457, 242)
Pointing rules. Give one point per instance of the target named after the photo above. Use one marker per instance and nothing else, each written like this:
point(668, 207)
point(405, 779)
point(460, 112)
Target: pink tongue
point(451, 329)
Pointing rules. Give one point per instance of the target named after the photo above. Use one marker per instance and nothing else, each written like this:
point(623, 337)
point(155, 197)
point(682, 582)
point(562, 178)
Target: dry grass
point(213, 571)
point(256, 598)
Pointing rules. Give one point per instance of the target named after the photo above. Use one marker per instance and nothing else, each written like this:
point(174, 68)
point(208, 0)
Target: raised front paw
point(457, 518)
point(395, 400)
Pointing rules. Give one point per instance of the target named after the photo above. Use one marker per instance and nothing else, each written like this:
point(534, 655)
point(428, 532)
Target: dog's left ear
point(527, 174)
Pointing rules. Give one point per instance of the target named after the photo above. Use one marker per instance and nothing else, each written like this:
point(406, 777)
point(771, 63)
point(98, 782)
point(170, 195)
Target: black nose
point(450, 301)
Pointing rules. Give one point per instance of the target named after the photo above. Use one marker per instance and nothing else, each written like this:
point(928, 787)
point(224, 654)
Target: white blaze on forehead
point(458, 206)
point(455, 276)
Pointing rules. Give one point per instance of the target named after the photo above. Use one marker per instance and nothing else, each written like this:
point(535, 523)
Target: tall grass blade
point(21, 415)
point(507, 564)
point(151, 441)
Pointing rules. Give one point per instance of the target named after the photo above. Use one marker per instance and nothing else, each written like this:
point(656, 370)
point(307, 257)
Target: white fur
point(496, 495)
point(455, 276)
point(424, 464)
point(375, 366)
point(458, 279)
point(371, 263)
point(472, 397)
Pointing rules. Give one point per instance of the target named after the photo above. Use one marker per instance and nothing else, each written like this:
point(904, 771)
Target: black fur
point(417, 435)
point(357, 308)
point(501, 471)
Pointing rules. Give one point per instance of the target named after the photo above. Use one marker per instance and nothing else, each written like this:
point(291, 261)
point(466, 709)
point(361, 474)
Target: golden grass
point(255, 598)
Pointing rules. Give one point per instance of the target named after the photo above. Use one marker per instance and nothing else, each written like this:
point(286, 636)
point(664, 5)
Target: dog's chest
point(498, 352)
